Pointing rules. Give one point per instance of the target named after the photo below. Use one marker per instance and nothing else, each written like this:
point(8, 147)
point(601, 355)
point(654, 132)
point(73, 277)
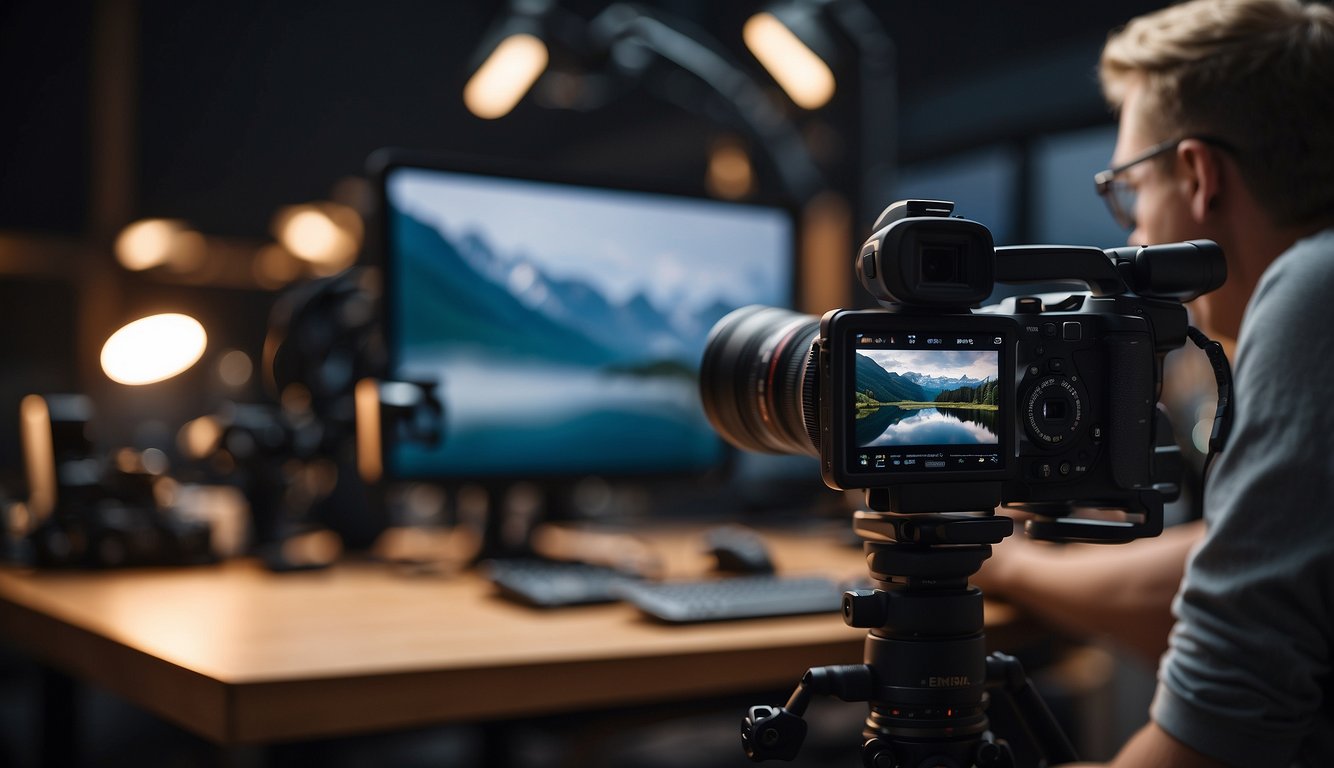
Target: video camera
point(1046, 403)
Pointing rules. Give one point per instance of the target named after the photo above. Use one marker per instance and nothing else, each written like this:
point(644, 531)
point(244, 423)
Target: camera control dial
point(1053, 410)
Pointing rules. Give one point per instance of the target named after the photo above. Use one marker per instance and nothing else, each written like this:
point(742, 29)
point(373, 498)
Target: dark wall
point(45, 61)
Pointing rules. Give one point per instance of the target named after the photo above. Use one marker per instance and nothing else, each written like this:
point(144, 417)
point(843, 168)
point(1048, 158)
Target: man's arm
point(1122, 592)
point(1152, 747)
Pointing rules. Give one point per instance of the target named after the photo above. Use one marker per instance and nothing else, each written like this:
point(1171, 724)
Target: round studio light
point(153, 348)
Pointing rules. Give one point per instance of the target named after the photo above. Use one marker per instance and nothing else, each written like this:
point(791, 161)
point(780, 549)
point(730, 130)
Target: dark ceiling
point(244, 106)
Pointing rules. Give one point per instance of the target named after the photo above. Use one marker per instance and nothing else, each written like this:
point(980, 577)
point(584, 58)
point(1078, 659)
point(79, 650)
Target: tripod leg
point(769, 733)
point(1005, 673)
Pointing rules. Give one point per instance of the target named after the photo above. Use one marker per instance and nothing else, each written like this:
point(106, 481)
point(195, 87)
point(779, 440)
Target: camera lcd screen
point(563, 323)
point(927, 402)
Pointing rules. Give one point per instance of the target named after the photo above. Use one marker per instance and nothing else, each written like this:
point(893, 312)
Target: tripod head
point(926, 675)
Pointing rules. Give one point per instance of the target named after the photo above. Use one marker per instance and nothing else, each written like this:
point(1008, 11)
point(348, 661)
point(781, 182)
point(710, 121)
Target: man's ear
point(1203, 176)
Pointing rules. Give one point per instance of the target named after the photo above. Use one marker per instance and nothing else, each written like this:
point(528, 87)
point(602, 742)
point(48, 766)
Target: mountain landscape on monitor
point(507, 301)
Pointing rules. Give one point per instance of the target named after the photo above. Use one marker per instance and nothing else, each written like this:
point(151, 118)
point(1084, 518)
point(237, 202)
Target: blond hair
point(1256, 73)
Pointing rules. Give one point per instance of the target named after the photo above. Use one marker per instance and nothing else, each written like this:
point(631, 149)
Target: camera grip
point(1130, 409)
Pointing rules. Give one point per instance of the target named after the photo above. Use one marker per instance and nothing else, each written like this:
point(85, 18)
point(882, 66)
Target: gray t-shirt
point(1247, 678)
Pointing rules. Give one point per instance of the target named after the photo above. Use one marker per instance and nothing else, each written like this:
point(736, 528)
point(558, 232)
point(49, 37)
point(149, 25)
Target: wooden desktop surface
point(240, 655)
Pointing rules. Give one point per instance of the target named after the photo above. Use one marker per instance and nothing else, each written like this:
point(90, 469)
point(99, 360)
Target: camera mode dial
point(1053, 410)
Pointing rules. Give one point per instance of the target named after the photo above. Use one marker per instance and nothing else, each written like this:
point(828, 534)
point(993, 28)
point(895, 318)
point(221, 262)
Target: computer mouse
point(739, 550)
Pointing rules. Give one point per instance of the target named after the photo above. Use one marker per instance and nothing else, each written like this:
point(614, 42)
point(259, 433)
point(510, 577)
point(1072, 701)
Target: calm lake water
point(891, 425)
point(547, 418)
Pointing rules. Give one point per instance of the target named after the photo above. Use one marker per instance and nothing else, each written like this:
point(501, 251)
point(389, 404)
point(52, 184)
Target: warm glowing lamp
point(729, 174)
point(151, 243)
point(799, 71)
point(505, 76)
point(153, 348)
point(146, 244)
point(325, 235)
point(366, 403)
point(38, 455)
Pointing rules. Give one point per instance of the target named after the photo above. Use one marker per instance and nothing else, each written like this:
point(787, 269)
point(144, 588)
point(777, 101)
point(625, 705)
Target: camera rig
point(1046, 405)
point(926, 675)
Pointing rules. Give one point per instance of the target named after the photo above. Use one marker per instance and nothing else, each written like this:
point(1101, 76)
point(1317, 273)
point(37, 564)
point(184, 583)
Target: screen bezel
point(839, 330)
point(384, 163)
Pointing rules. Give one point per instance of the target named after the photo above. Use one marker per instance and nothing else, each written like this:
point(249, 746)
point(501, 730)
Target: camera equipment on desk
point(90, 510)
point(943, 414)
point(300, 461)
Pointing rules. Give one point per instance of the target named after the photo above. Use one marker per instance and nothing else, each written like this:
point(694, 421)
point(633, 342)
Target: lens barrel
point(756, 381)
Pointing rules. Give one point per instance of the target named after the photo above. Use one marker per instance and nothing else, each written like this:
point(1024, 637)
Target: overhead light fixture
point(785, 39)
point(502, 80)
point(583, 63)
point(802, 43)
point(512, 57)
point(635, 39)
point(153, 349)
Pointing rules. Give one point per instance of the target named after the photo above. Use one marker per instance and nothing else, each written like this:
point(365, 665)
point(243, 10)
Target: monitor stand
point(506, 516)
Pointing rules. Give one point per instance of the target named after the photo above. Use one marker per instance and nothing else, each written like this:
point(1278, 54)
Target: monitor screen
point(564, 323)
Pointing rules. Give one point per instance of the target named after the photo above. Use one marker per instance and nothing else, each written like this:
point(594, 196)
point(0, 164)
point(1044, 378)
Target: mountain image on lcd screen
point(543, 374)
point(940, 401)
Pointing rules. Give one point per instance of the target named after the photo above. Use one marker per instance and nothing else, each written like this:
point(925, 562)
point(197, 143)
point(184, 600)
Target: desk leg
point(497, 739)
point(241, 757)
point(57, 745)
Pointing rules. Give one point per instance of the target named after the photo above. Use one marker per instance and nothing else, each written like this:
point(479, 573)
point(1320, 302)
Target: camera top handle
point(1179, 271)
point(1175, 271)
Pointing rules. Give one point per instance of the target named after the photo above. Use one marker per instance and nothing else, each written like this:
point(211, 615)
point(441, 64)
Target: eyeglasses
point(1120, 196)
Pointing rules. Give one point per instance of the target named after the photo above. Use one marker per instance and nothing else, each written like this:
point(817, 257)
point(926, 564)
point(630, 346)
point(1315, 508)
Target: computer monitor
point(563, 322)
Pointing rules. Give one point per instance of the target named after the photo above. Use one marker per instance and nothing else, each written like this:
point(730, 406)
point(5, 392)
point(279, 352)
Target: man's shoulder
point(1297, 290)
point(1309, 263)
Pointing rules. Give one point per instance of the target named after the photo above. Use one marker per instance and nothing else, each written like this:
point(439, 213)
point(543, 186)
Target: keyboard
point(554, 583)
point(737, 597)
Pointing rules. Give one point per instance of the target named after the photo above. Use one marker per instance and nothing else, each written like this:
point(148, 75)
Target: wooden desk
point(240, 656)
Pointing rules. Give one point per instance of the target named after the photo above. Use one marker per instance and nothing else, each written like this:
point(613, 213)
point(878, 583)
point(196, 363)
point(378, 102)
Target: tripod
point(926, 675)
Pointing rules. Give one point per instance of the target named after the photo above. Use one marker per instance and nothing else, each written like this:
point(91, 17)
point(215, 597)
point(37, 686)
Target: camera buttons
point(868, 260)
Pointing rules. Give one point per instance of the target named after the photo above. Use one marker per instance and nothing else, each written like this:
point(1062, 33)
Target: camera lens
point(758, 389)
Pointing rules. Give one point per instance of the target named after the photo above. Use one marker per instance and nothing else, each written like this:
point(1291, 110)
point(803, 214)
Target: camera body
point(880, 375)
point(1057, 405)
point(1045, 402)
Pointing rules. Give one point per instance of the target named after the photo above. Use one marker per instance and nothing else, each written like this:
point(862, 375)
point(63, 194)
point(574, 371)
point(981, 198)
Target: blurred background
point(208, 158)
point(221, 119)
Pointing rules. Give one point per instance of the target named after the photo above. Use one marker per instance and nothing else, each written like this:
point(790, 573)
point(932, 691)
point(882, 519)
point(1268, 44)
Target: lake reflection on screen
point(891, 425)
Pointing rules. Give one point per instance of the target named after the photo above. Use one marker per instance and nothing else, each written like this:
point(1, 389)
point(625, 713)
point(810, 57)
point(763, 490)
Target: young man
point(1227, 133)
